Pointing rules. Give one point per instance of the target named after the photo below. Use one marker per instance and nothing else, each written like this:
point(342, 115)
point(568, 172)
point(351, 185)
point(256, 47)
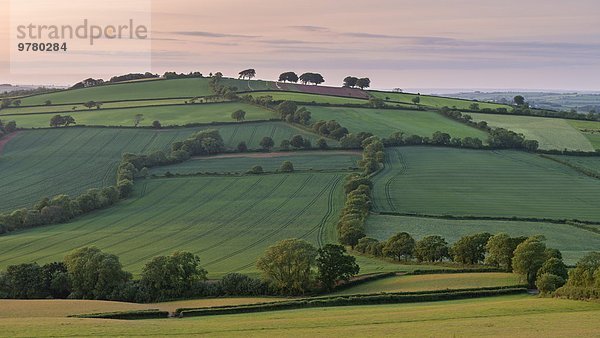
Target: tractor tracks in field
point(277, 230)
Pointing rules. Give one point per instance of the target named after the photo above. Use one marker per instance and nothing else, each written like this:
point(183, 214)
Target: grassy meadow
point(443, 281)
point(432, 101)
point(304, 97)
point(573, 242)
point(521, 315)
point(384, 122)
point(551, 133)
point(445, 181)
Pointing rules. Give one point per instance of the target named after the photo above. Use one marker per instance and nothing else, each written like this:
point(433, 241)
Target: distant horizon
point(551, 45)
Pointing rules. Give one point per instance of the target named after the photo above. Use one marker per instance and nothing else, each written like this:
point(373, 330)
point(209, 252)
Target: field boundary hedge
point(355, 300)
point(129, 315)
point(582, 170)
point(571, 222)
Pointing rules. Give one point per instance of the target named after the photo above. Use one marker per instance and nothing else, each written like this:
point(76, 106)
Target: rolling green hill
point(443, 181)
point(176, 115)
point(41, 163)
point(154, 89)
point(384, 122)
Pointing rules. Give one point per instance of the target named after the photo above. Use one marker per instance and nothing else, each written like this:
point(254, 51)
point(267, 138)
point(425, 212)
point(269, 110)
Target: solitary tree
point(288, 264)
point(334, 264)
point(137, 119)
point(416, 100)
point(238, 115)
point(242, 147)
point(350, 81)
point(286, 167)
point(156, 124)
point(288, 77)
point(519, 100)
point(247, 74)
point(267, 143)
point(297, 141)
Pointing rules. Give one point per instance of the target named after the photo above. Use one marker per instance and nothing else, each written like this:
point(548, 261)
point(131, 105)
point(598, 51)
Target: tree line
point(290, 267)
point(526, 256)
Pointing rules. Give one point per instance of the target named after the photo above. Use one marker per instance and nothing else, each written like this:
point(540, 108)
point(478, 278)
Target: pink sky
point(549, 44)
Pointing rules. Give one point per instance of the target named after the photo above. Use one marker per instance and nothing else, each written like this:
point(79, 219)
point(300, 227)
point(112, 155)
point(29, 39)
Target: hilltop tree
point(247, 74)
point(288, 77)
point(400, 246)
point(350, 81)
point(267, 143)
point(238, 115)
point(314, 78)
point(363, 83)
point(334, 264)
point(288, 264)
point(137, 119)
point(519, 100)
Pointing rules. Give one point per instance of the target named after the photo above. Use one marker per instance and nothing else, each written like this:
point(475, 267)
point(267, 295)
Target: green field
point(305, 160)
point(126, 91)
point(7, 113)
point(573, 242)
point(590, 129)
point(384, 122)
point(509, 316)
point(551, 133)
point(591, 163)
point(433, 101)
point(167, 115)
point(303, 97)
point(429, 282)
point(238, 218)
point(40, 163)
point(445, 181)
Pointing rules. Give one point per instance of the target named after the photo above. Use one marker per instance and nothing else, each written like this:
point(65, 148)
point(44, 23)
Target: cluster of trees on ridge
point(290, 267)
point(352, 82)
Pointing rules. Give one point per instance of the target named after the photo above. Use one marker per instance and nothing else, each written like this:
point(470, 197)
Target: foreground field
point(10, 308)
point(573, 242)
point(241, 163)
point(523, 316)
point(434, 282)
point(444, 181)
point(384, 122)
point(238, 218)
point(551, 133)
point(168, 115)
